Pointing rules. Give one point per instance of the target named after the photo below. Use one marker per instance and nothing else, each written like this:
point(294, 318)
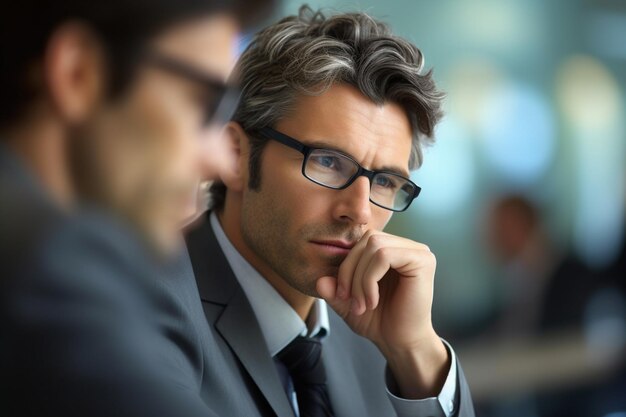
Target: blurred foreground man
point(109, 118)
point(334, 114)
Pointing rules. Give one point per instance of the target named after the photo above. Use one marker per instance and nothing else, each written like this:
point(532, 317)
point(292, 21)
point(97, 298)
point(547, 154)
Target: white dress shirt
point(280, 324)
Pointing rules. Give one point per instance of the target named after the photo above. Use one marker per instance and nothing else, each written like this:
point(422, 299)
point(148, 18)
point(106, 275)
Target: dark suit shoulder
point(90, 333)
point(26, 213)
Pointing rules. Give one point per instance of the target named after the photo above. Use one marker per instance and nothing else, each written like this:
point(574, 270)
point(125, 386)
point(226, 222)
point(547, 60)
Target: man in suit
point(333, 115)
point(104, 111)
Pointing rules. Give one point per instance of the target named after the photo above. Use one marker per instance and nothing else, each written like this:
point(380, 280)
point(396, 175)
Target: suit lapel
point(343, 383)
point(237, 324)
point(240, 329)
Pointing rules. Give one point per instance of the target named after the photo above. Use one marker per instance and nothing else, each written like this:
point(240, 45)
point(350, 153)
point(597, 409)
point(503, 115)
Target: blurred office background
point(524, 194)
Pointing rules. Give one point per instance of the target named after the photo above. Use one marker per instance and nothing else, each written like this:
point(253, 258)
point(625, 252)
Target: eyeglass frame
point(306, 150)
point(226, 96)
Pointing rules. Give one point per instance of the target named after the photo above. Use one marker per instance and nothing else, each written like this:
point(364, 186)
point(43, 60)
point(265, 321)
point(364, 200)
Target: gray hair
point(306, 54)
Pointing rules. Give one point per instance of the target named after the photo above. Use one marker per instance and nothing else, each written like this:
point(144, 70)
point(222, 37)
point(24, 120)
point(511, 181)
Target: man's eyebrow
point(395, 170)
point(387, 168)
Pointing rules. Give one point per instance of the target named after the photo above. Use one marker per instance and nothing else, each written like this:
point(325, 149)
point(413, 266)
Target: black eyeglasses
point(224, 98)
point(333, 169)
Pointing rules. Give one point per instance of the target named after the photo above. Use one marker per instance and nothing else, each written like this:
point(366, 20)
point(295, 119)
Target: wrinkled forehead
point(377, 136)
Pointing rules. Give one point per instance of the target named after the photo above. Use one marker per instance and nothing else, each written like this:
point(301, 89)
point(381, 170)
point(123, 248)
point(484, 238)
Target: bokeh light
point(447, 176)
point(518, 133)
point(590, 99)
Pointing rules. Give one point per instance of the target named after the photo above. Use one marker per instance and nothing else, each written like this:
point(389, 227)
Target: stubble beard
point(266, 231)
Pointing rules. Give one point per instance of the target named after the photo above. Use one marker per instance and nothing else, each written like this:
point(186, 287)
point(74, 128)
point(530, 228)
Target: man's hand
point(384, 292)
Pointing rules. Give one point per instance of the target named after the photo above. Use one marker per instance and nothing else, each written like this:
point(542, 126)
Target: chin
point(300, 281)
point(308, 286)
point(309, 290)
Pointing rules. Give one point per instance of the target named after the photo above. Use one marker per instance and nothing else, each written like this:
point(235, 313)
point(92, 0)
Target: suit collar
point(279, 322)
point(240, 329)
point(339, 362)
point(216, 282)
point(237, 324)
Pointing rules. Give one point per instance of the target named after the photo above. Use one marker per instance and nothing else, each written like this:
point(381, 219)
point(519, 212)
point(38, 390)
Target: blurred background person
point(109, 120)
point(544, 294)
point(543, 287)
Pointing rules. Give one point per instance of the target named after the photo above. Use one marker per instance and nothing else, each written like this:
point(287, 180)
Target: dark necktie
point(303, 360)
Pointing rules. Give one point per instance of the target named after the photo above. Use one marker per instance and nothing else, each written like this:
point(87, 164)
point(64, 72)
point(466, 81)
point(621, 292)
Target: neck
point(42, 148)
point(230, 220)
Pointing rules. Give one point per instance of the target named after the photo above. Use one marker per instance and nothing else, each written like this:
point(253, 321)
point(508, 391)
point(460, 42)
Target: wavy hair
point(307, 53)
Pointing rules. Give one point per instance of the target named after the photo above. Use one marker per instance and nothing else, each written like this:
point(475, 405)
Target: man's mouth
point(334, 247)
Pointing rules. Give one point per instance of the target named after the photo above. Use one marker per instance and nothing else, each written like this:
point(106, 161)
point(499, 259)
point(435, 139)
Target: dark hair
point(307, 53)
point(123, 27)
point(523, 207)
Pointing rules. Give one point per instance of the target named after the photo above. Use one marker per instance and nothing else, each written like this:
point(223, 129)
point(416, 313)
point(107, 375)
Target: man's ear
point(235, 173)
point(73, 70)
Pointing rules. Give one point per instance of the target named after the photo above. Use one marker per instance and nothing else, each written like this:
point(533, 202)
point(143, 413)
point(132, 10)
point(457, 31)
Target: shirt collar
point(279, 323)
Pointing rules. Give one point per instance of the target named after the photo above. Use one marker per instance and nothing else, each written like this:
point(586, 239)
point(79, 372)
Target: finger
point(381, 240)
point(407, 262)
point(358, 303)
point(327, 289)
point(374, 244)
point(351, 279)
point(415, 263)
point(380, 263)
point(346, 269)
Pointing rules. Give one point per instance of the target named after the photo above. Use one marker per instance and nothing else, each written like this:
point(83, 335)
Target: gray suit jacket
point(241, 364)
point(88, 326)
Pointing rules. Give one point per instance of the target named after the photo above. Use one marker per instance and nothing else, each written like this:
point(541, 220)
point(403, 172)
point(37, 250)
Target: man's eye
point(385, 182)
point(327, 161)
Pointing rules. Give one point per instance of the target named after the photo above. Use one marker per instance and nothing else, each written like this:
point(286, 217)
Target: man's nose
point(354, 202)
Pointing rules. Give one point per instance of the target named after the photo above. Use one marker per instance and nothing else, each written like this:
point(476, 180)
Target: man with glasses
point(333, 115)
point(110, 116)
point(336, 170)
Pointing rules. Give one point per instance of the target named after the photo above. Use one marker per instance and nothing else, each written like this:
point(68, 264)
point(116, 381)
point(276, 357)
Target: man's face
point(301, 230)
point(145, 153)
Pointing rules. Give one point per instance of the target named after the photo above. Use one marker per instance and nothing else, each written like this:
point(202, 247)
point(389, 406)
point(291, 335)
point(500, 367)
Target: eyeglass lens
point(334, 170)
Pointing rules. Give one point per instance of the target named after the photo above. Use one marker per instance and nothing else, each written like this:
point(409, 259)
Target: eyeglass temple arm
point(284, 139)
